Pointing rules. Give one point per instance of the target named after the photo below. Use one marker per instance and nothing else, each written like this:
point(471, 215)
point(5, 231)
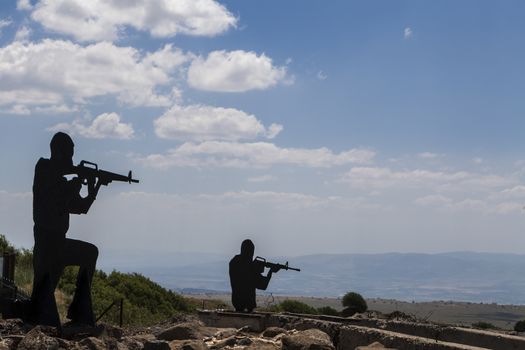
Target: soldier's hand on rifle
point(76, 184)
point(93, 187)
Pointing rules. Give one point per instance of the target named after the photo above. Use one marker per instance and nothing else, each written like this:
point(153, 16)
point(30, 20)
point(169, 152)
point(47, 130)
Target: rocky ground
point(278, 331)
point(183, 334)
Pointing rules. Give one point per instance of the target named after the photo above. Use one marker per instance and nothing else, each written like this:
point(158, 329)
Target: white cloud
point(167, 58)
point(55, 72)
point(257, 154)
point(262, 178)
point(4, 23)
point(483, 205)
point(273, 199)
point(106, 20)
point(434, 199)
point(278, 200)
point(17, 110)
point(22, 34)
point(321, 75)
point(24, 5)
point(56, 109)
point(201, 123)
point(375, 177)
point(428, 155)
point(407, 33)
point(459, 191)
point(106, 125)
point(477, 160)
point(235, 71)
point(513, 192)
point(28, 96)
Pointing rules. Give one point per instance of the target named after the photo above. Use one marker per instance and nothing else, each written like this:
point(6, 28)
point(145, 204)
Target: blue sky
point(347, 126)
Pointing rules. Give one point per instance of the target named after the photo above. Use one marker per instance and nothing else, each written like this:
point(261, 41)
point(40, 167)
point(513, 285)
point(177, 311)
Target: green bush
point(520, 326)
point(296, 307)
point(24, 269)
point(354, 301)
point(145, 302)
point(327, 310)
point(5, 246)
point(484, 325)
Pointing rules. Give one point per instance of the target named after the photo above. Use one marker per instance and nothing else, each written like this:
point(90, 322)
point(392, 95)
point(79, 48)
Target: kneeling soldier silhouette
point(54, 198)
point(246, 275)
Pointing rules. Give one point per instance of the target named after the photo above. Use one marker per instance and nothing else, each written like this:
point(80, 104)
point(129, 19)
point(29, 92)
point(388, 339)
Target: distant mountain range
point(459, 276)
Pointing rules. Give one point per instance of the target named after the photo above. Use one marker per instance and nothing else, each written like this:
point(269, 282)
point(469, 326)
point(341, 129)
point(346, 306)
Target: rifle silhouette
point(274, 266)
point(89, 170)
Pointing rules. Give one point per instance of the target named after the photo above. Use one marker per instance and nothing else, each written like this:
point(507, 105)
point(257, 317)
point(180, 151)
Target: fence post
point(121, 316)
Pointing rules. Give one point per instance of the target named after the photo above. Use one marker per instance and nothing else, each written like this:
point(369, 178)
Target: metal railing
point(120, 303)
point(9, 286)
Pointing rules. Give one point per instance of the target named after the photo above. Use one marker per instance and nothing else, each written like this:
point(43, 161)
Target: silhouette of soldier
point(54, 198)
point(245, 277)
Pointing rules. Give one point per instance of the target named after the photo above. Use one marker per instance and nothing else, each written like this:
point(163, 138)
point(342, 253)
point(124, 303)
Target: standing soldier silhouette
point(245, 277)
point(54, 198)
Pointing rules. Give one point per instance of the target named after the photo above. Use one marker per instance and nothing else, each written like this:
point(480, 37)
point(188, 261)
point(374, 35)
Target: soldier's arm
point(263, 281)
point(77, 204)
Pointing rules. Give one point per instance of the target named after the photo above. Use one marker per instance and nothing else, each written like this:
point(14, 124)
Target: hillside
point(144, 301)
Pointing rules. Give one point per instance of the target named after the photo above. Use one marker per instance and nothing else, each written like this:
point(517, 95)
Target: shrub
point(5, 246)
point(354, 301)
point(296, 307)
point(520, 326)
point(327, 310)
point(24, 270)
point(484, 325)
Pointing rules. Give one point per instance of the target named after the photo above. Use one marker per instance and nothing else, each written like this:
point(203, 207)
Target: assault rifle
point(261, 262)
point(88, 170)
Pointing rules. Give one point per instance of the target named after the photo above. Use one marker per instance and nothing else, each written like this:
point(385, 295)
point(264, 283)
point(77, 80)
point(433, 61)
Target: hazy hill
point(460, 276)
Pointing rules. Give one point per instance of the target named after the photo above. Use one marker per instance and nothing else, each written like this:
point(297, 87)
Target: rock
point(10, 341)
point(36, 339)
point(93, 343)
point(374, 345)
point(231, 341)
point(66, 344)
point(401, 316)
point(244, 341)
point(78, 332)
point(188, 345)
point(246, 329)
point(311, 339)
point(6, 344)
point(157, 345)
point(132, 343)
point(271, 332)
point(12, 326)
point(143, 338)
point(182, 331)
point(110, 331)
point(262, 347)
point(225, 333)
point(262, 344)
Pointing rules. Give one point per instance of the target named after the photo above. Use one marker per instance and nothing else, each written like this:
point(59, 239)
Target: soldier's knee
point(93, 252)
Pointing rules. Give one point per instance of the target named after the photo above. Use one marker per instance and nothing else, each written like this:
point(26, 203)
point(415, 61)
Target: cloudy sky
point(310, 127)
